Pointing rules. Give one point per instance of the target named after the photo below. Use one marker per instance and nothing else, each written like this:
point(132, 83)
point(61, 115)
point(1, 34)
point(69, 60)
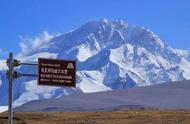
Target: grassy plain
point(115, 117)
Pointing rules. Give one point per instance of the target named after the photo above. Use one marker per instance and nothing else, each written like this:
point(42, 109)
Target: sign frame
point(59, 61)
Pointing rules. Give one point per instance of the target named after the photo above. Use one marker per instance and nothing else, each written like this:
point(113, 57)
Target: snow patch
point(117, 56)
point(185, 66)
point(91, 81)
point(84, 53)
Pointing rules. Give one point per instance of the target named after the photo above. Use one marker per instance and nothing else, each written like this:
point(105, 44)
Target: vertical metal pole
point(10, 92)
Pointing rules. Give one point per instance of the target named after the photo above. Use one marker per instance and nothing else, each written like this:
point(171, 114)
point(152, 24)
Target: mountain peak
point(116, 21)
point(110, 54)
point(110, 29)
point(105, 20)
point(105, 33)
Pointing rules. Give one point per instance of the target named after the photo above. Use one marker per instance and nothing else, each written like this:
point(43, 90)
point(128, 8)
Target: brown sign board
point(56, 72)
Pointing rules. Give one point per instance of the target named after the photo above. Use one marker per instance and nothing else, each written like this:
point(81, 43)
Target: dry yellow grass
point(115, 117)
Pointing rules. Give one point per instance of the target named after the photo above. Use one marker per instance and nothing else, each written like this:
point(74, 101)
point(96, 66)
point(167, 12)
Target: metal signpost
point(50, 72)
point(10, 78)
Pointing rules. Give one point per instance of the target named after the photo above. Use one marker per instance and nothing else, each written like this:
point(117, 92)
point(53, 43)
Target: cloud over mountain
point(28, 45)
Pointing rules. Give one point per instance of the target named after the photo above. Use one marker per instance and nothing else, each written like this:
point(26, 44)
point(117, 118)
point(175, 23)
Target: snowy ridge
point(109, 54)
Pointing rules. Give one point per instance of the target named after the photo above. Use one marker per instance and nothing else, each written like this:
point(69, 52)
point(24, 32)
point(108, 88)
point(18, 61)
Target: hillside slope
point(173, 95)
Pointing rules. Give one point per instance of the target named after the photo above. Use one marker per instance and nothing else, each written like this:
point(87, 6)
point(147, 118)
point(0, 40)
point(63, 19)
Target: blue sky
point(169, 19)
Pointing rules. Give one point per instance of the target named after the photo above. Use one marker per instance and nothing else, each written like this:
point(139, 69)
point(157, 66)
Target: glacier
point(110, 54)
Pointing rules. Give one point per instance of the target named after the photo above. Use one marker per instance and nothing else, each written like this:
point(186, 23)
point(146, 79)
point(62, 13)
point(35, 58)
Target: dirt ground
point(115, 117)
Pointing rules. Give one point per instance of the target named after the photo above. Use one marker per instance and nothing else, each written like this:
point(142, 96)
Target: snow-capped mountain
point(109, 54)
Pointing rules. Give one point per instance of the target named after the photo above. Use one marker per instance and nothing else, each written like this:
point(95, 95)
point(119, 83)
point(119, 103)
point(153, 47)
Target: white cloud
point(28, 45)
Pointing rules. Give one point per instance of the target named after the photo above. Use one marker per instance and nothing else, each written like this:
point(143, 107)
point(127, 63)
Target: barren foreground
point(115, 117)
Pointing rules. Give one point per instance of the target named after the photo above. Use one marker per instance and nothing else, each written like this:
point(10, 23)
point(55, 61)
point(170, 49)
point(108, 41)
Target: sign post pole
point(50, 72)
point(10, 91)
